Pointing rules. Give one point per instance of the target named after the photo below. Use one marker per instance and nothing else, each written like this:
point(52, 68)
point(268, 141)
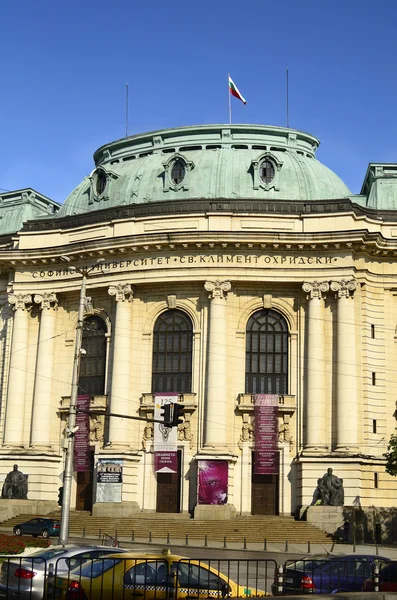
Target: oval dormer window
point(100, 181)
point(266, 171)
point(178, 171)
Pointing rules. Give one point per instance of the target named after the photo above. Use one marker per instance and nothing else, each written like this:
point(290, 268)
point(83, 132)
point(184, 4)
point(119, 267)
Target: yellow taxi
point(154, 576)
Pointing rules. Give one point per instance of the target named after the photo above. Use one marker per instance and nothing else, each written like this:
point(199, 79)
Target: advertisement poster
point(212, 481)
point(82, 436)
point(109, 470)
point(165, 438)
point(266, 461)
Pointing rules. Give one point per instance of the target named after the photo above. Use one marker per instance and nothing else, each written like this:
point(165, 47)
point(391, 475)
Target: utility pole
point(71, 427)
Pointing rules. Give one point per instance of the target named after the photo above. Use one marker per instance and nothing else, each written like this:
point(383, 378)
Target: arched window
point(172, 353)
point(266, 363)
point(93, 361)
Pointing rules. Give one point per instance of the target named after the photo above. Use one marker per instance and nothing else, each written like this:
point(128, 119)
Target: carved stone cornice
point(217, 289)
point(46, 300)
point(122, 292)
point(20, 301)
point(344, 288)
point(315, 289)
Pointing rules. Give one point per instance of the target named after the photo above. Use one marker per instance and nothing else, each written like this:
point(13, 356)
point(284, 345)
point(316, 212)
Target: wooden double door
point(264, 494)
point(169, 490)
point(85, 487)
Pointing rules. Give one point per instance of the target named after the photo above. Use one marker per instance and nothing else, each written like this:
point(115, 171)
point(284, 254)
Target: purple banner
point(266, 460)
point(212, 481)
point(82, 436)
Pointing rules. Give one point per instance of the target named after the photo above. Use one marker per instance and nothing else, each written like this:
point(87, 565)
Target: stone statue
point(329, 491)
point(15, 485)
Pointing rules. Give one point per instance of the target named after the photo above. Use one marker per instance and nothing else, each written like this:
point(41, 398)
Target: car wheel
point(45, 533)
point(18, 531)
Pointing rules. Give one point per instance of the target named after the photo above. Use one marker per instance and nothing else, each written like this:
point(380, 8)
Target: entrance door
point(84, 487)
point(169, 490)
point(264, 494)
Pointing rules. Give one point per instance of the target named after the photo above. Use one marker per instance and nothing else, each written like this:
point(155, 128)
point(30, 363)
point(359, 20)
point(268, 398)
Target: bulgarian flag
point(234, 91)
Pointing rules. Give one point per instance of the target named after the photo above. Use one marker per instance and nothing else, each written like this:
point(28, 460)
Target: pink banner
point(82, 435)
point(266, 461)
point(212, 481)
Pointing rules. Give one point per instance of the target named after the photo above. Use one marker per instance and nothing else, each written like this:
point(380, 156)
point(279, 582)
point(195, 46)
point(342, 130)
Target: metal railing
point(324, 575)
point(160, 579)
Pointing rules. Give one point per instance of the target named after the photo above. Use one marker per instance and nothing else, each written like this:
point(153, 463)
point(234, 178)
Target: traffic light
point(177, 414)
point(166, 413)
point(60, 496)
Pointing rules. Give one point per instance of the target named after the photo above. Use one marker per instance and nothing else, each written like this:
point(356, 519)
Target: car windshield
point(95, 568)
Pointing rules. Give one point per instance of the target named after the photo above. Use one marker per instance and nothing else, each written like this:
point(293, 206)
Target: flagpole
point(287, 102)
point(126, 110)
point(230, 100)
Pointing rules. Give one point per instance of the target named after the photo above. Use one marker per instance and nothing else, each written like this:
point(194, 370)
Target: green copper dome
point(207, 161)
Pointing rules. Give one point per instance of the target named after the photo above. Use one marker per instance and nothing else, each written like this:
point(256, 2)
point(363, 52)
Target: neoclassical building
point(227, 262)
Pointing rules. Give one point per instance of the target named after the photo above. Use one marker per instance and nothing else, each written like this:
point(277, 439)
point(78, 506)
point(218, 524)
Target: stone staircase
point(156, 527)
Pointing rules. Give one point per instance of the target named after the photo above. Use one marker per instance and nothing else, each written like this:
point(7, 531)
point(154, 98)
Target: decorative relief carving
point(315, 289)
point(148, 432)
point(122, 292)
point(20, 301)
point(46, 299)
point(284, 430)
point(344, 288)
point(97, 428)
point(217, 289)
point(185, 431)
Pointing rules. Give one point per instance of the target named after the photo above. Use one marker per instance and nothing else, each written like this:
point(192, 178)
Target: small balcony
point(189, 400)
point(98, 405)
point(286, 403)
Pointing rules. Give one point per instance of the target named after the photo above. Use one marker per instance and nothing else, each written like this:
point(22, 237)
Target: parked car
point(387, 579)
point(38, 526)
point(24, 578)
point(326, 574)
point(151, 576)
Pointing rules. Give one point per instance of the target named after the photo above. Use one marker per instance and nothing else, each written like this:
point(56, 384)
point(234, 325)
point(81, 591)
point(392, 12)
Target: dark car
point(387, 579)
point(38, 526)
point(327, 574)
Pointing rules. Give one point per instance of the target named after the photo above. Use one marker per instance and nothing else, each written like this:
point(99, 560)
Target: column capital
point(344, 288)
point(20, 301)
point(315, 289)
point(122, 291)
point(217, 289)
point(47, 300)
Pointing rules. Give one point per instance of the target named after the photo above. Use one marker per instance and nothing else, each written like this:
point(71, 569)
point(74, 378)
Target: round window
point(178, 171)
point(266, 171)
point(100, 181)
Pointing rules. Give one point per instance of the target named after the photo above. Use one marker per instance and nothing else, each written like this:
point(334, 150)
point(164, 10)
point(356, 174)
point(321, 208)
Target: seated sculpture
point(329, 490)
point(15, 485)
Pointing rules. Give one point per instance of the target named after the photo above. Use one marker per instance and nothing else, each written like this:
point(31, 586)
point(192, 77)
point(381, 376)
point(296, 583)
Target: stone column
point(15, 409)
point(216, 406)
point(315, 413)
point(346, 374)
point(42, 398)
point(119, 429)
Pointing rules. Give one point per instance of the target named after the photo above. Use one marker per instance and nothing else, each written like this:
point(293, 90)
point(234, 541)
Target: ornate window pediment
point(100, 184)
point(266, 169)
point(177, 171)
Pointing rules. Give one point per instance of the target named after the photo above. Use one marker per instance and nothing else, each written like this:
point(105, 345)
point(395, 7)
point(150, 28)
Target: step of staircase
point(159, 526)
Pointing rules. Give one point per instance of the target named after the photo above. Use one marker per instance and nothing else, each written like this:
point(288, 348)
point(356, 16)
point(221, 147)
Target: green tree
point(391, 455)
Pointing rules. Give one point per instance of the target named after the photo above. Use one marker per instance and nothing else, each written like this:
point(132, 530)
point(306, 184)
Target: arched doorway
point(91, 383)
point(266, 373)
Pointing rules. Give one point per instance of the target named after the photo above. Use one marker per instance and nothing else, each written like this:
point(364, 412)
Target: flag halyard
point(235, 92)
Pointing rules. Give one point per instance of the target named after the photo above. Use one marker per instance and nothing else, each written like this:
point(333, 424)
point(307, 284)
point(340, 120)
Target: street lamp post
point(71, 426)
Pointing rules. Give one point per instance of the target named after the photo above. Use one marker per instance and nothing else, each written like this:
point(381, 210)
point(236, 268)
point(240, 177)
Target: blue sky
point(65, 66)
